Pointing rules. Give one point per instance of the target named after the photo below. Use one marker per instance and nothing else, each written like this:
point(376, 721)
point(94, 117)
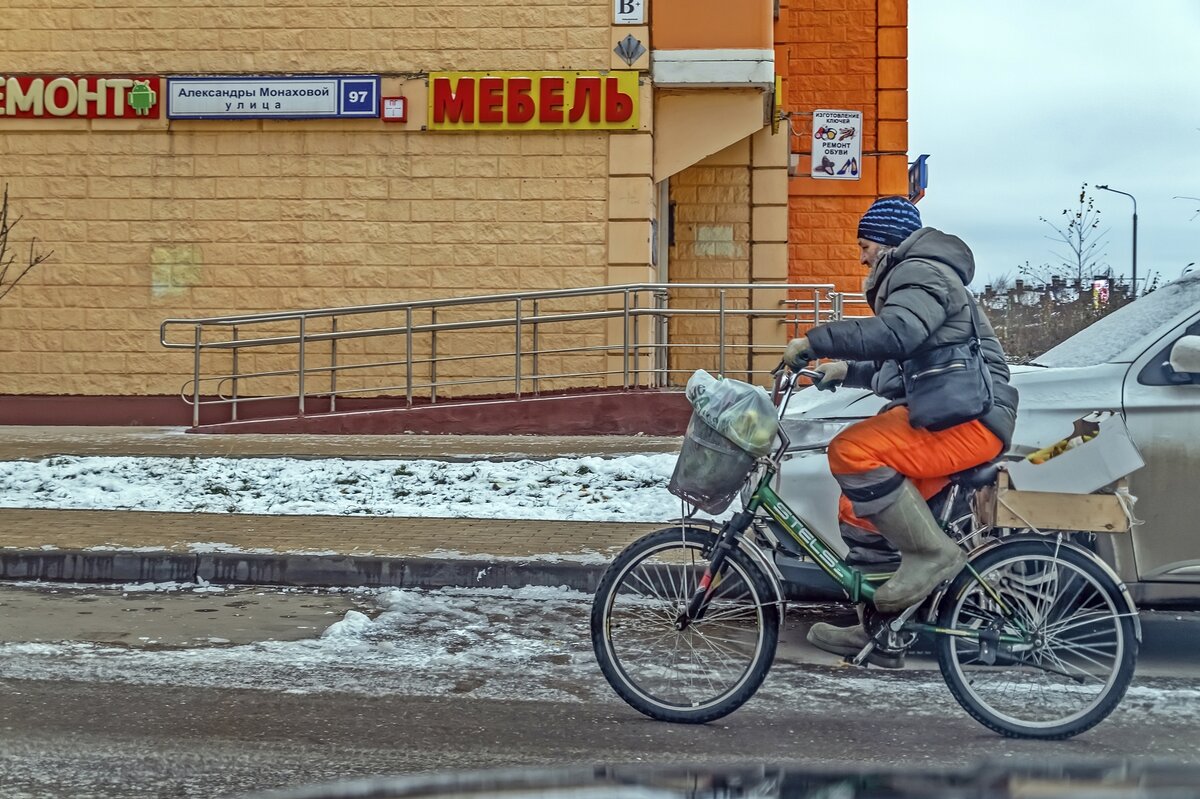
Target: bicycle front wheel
point(1080, 637)
point(704, 671)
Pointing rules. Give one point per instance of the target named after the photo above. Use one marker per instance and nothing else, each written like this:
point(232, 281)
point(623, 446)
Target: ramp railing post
point(234, 378)
point(433, 357)
point(300, 366)
point(636, 351)
point(333, 367)
point(624, 341)
point(536, 350)
point(408, 356)
point(196, 381)
point(517, 350)
point(721, 331)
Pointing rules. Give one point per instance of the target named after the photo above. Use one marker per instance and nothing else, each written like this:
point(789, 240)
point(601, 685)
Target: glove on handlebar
point(834, 374)
point(798, 354)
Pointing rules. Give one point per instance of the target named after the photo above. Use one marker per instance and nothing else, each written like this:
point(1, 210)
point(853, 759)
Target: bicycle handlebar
point(786, 387)
point(811, 374)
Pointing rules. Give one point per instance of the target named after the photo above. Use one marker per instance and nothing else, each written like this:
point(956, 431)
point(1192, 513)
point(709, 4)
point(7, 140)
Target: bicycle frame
point(853, 581)
point(858, 585)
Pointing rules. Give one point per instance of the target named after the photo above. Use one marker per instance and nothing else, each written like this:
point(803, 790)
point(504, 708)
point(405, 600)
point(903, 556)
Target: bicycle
point(1036, 637)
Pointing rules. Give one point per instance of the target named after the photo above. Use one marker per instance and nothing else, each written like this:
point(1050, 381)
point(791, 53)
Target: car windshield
point(1108, 337)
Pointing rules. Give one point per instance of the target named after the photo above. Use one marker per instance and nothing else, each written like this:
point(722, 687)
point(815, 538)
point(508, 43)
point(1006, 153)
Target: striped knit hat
point(889, 221)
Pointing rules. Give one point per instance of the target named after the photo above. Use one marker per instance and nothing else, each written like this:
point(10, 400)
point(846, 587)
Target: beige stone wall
point(277, 36)
point(712, 245)
point(231, 222)
point(149, 221)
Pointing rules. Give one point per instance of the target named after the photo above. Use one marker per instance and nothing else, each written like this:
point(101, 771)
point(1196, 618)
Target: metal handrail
point(646, 353)
point(483, 299)
point(834, 306)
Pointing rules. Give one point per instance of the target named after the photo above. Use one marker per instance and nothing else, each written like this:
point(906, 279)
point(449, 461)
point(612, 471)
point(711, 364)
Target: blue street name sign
point(273, 97)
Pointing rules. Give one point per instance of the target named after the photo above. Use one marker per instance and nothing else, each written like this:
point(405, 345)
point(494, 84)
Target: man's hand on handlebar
point(832, 375)
point(798, 354)
point(826, 377)
point(811, 374)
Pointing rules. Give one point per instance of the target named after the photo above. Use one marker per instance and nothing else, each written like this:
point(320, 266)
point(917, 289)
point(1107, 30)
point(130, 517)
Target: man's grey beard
point(873, 275)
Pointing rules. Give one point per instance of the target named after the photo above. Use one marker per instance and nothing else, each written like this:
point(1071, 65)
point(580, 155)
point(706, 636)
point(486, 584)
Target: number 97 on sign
point(359, 98)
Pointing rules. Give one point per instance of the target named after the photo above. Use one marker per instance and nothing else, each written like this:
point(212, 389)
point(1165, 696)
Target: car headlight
point(813, 433)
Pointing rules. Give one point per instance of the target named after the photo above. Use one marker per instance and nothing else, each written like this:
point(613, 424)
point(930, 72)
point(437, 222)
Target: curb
point(342, 571)
point(334, 571)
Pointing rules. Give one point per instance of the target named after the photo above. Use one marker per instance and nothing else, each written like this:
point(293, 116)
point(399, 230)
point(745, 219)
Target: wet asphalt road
point(105, 740)
point(437, 682)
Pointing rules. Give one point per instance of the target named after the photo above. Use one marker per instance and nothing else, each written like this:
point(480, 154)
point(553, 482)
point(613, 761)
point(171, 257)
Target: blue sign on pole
point(918, 178)
point(274, 97)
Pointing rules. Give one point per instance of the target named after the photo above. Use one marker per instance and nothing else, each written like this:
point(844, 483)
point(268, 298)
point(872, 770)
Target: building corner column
point(768, 243)
point(891, 86)
point(631, 214)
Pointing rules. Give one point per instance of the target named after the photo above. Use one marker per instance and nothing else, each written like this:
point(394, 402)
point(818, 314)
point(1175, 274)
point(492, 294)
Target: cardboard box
point(1000, 506)
point(1098, 513)
point(1086, 467)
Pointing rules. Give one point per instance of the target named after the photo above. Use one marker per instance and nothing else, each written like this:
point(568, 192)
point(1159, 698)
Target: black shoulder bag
point(949, 385)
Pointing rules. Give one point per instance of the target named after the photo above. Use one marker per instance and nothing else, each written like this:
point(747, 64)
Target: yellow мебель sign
point(533, 101)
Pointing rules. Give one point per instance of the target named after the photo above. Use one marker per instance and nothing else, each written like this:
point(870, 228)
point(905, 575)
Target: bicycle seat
point(977, 476)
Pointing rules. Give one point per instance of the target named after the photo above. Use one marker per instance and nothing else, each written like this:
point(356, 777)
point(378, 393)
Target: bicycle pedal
point(878, 657)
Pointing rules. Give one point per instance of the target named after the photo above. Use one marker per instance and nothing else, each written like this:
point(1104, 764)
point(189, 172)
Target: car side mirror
point(1183, 365)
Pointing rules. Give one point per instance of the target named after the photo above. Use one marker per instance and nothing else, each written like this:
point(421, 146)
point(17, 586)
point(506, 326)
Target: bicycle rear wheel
point(700, 673)
point(1082, 641)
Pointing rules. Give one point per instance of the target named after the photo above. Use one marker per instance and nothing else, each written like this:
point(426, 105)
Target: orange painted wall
point(707, 24)
point(843, 54)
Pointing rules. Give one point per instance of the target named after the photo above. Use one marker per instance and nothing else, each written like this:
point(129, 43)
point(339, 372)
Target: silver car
point(1143, 360)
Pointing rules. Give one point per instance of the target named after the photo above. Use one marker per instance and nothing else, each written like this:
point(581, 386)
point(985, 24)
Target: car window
point(1107, 338)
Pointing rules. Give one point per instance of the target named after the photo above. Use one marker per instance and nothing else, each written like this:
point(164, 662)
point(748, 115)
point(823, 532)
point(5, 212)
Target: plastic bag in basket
point(741, 412)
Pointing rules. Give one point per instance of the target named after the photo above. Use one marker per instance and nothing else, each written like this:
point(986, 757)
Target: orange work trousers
point(887, 443)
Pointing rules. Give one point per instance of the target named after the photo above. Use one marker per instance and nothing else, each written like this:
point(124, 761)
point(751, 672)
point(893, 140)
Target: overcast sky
point(1018, 102)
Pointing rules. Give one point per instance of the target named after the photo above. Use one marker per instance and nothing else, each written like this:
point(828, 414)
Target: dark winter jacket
point(920, 298)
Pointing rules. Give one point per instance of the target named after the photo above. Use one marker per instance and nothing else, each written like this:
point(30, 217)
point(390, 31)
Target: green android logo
point(142, 98)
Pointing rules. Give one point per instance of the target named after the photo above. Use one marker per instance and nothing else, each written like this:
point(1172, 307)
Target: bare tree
point(8, 260)
point(1197, 199)
point(1083, 239)
point(1001, 283)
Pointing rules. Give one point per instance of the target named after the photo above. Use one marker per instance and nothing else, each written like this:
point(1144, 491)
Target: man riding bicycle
point(887, 467)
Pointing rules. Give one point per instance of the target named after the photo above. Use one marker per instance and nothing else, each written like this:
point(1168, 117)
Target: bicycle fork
point(711, 579)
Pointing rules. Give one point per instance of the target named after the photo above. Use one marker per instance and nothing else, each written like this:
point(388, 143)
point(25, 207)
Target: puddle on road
point(183, 618)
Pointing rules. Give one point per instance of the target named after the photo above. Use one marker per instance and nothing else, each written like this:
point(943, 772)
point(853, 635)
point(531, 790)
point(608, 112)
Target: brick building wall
point(844, 54)
point(712, 245)
point(227, 36)
point(150, 219)
point(234, 223)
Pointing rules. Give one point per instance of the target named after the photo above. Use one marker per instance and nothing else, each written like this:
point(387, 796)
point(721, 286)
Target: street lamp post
point(1130, 196)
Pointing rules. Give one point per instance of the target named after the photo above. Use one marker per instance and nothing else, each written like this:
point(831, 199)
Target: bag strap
point(973, 308)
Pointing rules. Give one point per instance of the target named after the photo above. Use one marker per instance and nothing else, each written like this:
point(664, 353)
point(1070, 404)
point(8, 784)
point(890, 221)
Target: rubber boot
point(927, 555)
point(849, 641)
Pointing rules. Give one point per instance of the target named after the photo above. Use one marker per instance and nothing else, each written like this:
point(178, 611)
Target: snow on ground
point(502, 643)
point(513, 644)
point(627, 488)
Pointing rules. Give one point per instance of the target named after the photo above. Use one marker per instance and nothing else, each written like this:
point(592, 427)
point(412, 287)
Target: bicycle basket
point(711, 469)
